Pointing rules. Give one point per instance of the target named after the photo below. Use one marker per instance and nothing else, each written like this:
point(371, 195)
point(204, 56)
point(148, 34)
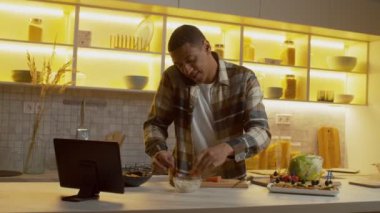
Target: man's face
point(194, 61)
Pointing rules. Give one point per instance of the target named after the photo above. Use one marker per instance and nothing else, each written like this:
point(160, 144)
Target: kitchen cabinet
point(107, 45)
point(168, 3)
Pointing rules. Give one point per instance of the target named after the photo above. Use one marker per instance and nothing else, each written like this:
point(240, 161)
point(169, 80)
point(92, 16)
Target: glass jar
point(219, 49)
point(289, 54)
point(290, 87)
point(35, 30)
point(248, 50)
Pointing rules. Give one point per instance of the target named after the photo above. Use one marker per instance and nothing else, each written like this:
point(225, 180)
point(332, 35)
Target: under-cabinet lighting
point(206, 29)
point(270, 69)
point(303, 107)
point(23, 9)
point(328, 75)
point(23, 48)
point(327, 44)
point(109, 18)
point(266, 36)
point(89, 53)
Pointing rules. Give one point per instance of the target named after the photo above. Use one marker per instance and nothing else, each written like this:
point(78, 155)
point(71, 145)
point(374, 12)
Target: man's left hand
point(212, 157)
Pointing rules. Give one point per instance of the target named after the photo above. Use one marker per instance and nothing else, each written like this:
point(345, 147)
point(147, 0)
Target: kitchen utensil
point(136, 81)
point(82, 132)
point(225, 183)
point(343, 98)
point(144, 31)
point(344, 63)
point(329, 147)
point(366, 182)
point(187, 183)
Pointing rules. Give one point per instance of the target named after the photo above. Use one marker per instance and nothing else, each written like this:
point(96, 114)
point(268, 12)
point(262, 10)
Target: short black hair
point(185, 34)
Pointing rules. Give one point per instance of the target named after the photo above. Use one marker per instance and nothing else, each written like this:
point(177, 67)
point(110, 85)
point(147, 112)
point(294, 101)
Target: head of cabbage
point(306, 167)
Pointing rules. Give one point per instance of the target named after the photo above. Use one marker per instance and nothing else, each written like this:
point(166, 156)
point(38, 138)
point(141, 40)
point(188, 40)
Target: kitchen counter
point(158, 196)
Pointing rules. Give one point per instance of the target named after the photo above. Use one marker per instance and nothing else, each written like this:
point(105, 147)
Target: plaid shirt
point(239, 116)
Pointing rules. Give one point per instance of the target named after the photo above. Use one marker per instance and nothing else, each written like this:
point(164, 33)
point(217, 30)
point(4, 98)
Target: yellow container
point(35, 30)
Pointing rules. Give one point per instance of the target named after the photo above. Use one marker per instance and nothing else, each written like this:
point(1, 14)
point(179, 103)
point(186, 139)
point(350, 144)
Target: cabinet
point(108, 44)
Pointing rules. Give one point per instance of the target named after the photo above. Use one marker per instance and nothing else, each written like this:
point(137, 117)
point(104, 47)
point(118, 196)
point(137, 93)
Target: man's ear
point(207, 45)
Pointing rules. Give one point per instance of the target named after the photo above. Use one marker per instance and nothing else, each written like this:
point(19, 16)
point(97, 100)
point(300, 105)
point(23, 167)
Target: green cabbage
point(306, 167)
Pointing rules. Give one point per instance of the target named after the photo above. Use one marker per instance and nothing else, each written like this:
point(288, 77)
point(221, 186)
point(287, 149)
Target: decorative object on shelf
point(219, 49)
point(344, 63)
point(144, 32)
point(249, 50)
point(35, 30)
point(343, 98)
point(289, 54)
point(82, 132)
point(84, 38)
point(128, 42)
point(273, 92)
point(35, 152)
point(136, 81)
point(272, 61)
point(325, 95)
point(290, 86)
point(24, 76)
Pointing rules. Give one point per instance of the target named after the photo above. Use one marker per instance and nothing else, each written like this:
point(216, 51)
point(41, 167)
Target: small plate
point(321, 192)
point(144, 31)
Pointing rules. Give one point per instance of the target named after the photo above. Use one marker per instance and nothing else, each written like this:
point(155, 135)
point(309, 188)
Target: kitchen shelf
point(92, 36)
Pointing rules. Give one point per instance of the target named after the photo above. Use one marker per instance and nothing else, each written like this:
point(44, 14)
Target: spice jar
point(289, 54)
point(35, 30)
point(248, 50)
point(219, 48)
point(290, 87)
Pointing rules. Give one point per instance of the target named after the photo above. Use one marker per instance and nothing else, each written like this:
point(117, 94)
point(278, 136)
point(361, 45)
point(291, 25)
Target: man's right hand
point(163, 160)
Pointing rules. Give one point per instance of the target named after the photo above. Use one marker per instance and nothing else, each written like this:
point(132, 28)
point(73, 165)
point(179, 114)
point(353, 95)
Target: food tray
point(294, 190)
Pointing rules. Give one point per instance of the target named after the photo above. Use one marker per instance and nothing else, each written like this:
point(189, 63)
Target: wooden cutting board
point(225, 183)
point(366, 183)
point(329, 147)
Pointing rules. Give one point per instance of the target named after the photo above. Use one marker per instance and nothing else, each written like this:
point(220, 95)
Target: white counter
point(158, 196)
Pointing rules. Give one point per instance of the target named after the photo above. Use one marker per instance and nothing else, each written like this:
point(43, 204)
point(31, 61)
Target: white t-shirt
point(203, 133)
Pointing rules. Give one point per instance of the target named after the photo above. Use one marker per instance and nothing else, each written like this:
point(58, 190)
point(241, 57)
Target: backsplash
point(110, 111)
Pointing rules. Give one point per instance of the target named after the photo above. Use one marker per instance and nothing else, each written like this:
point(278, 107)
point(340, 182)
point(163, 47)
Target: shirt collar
point(222, 70)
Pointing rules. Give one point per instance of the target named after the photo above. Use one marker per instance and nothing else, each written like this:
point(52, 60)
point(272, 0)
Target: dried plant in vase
point(49, 83)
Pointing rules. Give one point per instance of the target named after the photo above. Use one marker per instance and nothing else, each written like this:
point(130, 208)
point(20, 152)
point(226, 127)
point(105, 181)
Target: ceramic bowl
point(24, 76)
point(187, 183)
point(343, 98)
point(344, 63)
point(136, 178)
point(135, 81)
point(273, 92)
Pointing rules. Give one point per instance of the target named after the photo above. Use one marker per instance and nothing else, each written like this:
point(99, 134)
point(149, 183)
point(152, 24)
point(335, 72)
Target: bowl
point(135, 81)
point(185, 184)
point(24, 76)
point(273, 92)
point(343, 98)
point(136, 176)
point(344, 63)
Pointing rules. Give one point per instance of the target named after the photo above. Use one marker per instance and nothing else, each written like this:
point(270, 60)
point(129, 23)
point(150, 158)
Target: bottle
point(219, 48)
point(35, 30)
point(289, 54)
point(248, 50)
point(285, 142)
point(290, 87)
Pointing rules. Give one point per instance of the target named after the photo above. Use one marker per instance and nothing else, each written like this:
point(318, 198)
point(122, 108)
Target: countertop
point(158, 196)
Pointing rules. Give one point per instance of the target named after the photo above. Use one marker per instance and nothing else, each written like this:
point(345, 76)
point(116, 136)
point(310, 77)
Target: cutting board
point(329, 147)
point(225, 183)
point(366, 183)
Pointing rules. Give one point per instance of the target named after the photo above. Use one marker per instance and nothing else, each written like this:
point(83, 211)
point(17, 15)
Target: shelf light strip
point(323, 74)
point(23, 9)
point(265, 36)
point(109, 18)
point(328, 44)
point(206, 29)
point(114, 55)
point(23, 48)
point(270, 69)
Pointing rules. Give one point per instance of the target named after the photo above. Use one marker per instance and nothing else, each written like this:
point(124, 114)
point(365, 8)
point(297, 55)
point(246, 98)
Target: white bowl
point(136, 81)
point(273, 92)
point(187, 183)
point(344, 63)
point(343, 98)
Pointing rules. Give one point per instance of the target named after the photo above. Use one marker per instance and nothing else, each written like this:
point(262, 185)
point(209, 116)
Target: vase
point(34, 158)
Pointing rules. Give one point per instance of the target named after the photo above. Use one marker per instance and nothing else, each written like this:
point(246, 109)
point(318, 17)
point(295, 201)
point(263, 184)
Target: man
point(216, 108)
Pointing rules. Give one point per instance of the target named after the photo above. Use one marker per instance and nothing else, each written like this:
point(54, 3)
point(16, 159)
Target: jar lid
point(36, 20)
point(288, 42)
point(219, 45)
point(290, 75)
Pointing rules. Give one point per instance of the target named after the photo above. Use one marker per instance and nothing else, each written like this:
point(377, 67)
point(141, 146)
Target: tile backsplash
point(110, 111)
